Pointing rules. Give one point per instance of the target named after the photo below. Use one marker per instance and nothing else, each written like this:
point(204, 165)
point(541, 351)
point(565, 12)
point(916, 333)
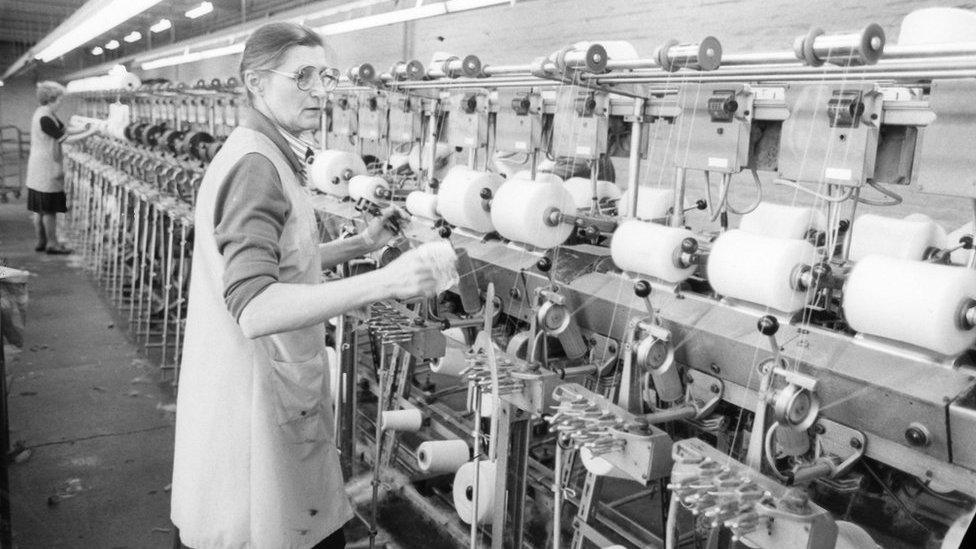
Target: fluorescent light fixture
point(188, 57)
point(112, 44)
point(404, 15)
point(163, 24)
point(107, 16)
point(133, 36)
point(97, 50)
point(203, 9)
point(463, 5)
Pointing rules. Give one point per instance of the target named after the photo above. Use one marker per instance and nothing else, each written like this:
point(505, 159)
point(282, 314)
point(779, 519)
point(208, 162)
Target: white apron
point(255, 462)
point(44, 170)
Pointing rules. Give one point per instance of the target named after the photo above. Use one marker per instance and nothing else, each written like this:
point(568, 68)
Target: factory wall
point(517, 34)
point(17, 102)
point(512, 34)
point(532, 28)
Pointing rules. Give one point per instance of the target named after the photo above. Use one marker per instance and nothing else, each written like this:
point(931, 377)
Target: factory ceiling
point(24, 23)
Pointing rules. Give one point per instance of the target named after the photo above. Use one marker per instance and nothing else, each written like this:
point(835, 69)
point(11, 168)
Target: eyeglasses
point(305, 76)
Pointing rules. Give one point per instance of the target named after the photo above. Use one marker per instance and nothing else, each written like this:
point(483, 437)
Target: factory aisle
point(92, 413)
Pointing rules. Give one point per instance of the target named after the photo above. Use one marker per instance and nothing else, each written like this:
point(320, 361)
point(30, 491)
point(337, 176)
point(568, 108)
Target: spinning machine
point(682, 312)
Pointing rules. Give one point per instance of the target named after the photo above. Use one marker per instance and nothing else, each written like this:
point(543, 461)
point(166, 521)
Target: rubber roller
point(923, 304)
point(331, 171)
point(760, 269)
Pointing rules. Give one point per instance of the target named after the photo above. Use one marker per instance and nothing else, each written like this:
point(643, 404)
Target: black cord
point(897, 499)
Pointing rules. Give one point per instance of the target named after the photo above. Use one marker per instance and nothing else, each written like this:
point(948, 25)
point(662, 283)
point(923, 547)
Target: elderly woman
point(255, 460)
point(45, 174)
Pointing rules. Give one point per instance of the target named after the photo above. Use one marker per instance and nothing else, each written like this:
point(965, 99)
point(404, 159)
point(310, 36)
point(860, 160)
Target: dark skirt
point(46, 203)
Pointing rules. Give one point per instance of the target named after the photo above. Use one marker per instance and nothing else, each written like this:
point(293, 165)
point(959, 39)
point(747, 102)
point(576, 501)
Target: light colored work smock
point(255, 460)
point(45, 172)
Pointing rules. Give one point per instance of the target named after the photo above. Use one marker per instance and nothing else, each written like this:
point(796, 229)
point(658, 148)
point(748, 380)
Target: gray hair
point(48, 92)
point(267, 45)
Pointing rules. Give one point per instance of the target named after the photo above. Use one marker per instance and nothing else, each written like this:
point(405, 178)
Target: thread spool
point(408, 421)
point(331, 171)
point(937, 26)
point(451, 364)
point(442, 456)
point(940, 233)
point(783, 221)
point(418, 157)
point(540, 176)
point(650, 249)
point(913, 302)
point(902, 238)
point(422, 204)
point(581, 189)
point(522, 211)
point(464, 491)
point(459, 198)
point(368, 187)
point(398, 160)
point(600, 466)
point(759, 269)
point(705, 55)
point(652, 203)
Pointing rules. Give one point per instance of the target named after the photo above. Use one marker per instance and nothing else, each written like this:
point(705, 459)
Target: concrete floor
point(89, 407)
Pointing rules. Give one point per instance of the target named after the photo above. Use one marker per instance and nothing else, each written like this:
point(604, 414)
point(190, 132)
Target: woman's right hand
point(411, 275)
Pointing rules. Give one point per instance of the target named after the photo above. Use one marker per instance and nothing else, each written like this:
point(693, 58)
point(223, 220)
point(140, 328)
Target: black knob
point(701, 204)
point(544, 264)
point(485, 193)
point(689, 245)
point(844, 225)
point(916, 436)
point(967, 242)
point(642, 288)
point(730, 106)
point(444, 231)
point(768, 325)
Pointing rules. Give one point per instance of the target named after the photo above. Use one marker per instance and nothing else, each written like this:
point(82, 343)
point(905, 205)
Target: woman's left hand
point(383, 228)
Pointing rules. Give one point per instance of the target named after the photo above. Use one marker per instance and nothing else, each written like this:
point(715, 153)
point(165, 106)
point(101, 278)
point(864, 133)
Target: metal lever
point(642, 289)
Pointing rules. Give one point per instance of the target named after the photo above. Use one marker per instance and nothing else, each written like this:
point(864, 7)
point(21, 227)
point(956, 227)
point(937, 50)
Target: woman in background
point(45, 174)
